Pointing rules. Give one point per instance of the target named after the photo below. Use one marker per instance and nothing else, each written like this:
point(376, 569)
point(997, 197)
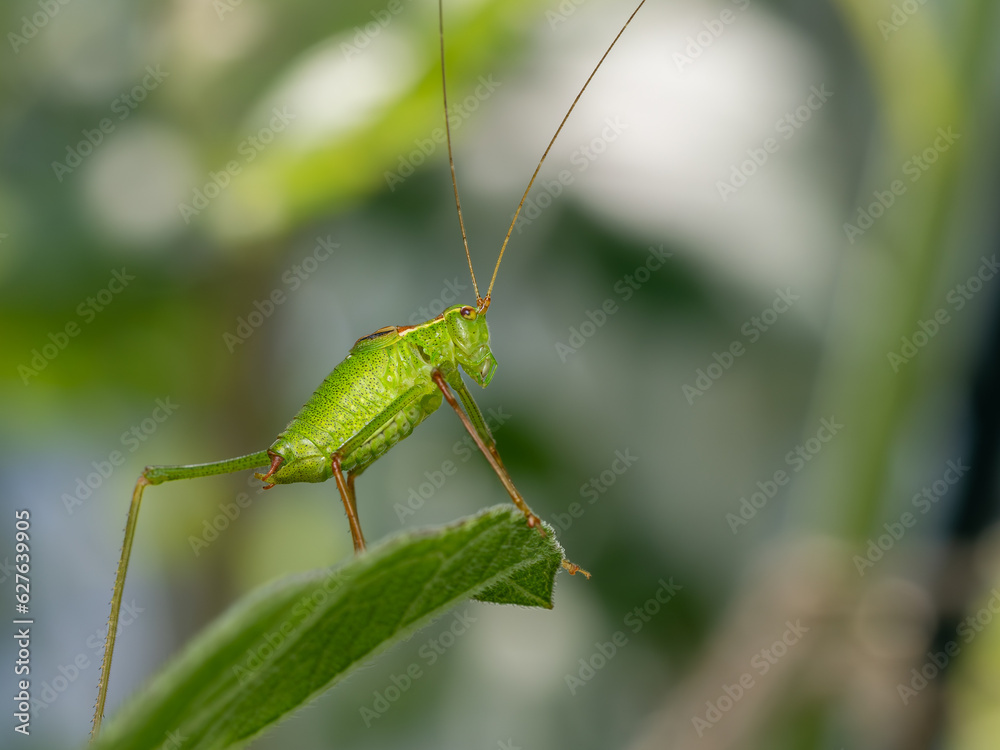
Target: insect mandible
point(389, 383)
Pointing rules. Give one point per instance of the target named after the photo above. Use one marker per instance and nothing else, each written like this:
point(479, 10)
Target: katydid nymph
point(389, 383)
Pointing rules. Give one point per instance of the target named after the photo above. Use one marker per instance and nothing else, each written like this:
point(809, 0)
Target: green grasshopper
point(390, 382)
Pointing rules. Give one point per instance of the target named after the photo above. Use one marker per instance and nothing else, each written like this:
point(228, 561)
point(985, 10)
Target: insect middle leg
point(346, 488)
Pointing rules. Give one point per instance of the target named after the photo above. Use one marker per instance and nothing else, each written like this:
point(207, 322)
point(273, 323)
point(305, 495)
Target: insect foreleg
point(152, 475)
point(477, 428)
point(480, 432)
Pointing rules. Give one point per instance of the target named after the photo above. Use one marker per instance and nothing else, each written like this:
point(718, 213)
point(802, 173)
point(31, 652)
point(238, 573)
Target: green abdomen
point(371, 401)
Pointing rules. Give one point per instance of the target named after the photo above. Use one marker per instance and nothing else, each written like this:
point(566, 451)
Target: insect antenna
point(451, 160)
point(484, 304)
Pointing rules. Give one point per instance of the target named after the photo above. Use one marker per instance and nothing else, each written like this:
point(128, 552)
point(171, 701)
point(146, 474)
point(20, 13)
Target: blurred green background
point(759, 264)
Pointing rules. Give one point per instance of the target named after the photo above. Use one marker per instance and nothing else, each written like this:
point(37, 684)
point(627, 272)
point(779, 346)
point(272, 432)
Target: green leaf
point(290, 640)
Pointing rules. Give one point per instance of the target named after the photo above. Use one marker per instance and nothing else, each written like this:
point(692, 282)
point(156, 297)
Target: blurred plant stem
point(888, 280)
point(892, 276)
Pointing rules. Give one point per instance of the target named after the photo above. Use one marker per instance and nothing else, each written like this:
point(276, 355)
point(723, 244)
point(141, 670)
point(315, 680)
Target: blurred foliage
point(361, 88)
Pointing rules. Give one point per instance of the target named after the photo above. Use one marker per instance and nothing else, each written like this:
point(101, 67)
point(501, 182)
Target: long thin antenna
point(485, 303)
point(451, 160)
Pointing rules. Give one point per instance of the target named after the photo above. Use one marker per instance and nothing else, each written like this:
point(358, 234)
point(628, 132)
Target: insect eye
point(469, 313)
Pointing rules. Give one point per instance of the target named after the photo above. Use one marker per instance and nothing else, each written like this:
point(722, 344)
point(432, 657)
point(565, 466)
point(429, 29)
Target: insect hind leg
point(151, 475)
